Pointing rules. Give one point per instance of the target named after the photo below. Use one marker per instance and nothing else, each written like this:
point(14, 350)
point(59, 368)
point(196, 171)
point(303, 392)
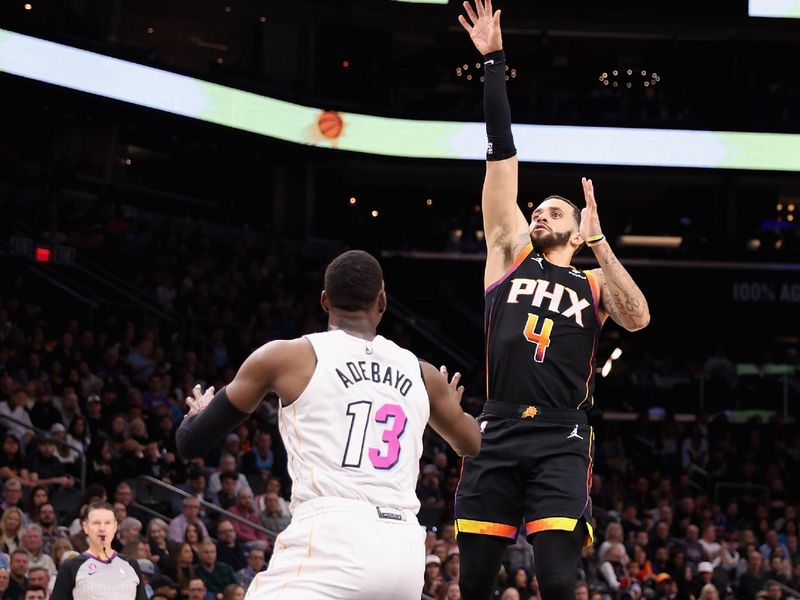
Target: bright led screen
point(154, 88)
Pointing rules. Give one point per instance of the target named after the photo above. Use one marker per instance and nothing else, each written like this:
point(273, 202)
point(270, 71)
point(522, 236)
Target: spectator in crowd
point(189, 514)
point(79, 434)
point(37, 496)
point(162, 549)
point(129, 530)
point(752, 580)
point(197, 590)
point(11, 529)
point(613, 537)
point(19, 572)
point(12, 495)
point(227, 464)
point(68, 406)
point(428, 490)
point(19, 420)
point(233, 592)
point(148, 570)
point(692, 548)
point(581, 591)
point(273, 487)
point(5, 581)
point(245, 509)
point(59, 549)
point(216, 575)
point(12, 464)
point(35, 592)
point(194, 537)
point(46, 469)
point(772, 544)
point(229, 549)
point(260, 460)
point(184, 566)
point(226, 496)
point(256, 562)
point(195, 485)
point(39, 576)
point(272, 517)
point(33, 542)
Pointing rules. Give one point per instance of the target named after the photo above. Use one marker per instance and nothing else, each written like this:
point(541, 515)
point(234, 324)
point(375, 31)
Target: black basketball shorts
point(534, 467)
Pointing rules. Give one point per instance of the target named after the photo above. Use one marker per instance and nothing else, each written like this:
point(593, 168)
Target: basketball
point(330, 124)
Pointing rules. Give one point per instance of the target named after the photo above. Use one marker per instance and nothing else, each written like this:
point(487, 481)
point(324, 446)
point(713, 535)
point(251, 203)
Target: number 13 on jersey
point(359, 413)
point(541, 339)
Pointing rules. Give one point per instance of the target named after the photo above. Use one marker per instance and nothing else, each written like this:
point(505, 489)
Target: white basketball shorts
point(336, 548)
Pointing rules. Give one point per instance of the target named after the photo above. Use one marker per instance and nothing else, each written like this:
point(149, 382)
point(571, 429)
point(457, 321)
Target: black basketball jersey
point(542, 326)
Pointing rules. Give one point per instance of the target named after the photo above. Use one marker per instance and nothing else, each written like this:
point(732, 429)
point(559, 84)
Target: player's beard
point(550, 239)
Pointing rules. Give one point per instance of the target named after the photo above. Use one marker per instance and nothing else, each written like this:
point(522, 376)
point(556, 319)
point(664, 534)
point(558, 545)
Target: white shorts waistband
point(330, 504)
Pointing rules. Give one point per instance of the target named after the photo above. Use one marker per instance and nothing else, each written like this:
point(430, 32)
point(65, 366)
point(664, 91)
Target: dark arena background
point(175, 176)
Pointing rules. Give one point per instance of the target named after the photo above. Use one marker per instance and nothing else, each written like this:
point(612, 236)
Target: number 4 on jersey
point(541, 339)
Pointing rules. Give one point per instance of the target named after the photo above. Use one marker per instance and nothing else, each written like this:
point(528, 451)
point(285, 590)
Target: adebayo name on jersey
point(362, 370)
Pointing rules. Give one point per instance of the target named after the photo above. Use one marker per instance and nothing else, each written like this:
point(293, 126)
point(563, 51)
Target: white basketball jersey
point(356, 430)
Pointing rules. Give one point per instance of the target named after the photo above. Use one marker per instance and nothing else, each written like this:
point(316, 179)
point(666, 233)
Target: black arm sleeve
point(496, 108)
point(65, 580)
point(204, 430)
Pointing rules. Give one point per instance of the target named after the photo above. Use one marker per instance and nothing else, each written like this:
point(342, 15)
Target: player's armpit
point(504, 224)
point(282, 366)
point(458, 429)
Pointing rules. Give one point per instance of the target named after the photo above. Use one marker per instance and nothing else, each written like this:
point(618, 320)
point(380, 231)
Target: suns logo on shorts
point(530, 412)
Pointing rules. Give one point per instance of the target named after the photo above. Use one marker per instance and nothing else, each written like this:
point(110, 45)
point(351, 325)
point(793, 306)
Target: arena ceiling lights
point(161, 90)
point(785, 9)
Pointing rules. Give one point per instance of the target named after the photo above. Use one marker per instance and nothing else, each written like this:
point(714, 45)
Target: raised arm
point(459, 429)
point(620, 297)
point(283, 366)
point(504, 225)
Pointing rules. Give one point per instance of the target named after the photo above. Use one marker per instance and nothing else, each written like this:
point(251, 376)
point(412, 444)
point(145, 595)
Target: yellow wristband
point(594, 239)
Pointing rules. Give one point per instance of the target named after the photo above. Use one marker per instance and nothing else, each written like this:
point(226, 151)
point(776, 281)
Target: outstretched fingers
point(588, 192)
point(471, 13)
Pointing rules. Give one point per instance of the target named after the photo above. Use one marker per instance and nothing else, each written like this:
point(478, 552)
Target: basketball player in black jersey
point(543, 320)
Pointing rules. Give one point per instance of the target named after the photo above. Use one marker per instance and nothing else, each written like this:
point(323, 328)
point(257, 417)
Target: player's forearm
point(622, 298)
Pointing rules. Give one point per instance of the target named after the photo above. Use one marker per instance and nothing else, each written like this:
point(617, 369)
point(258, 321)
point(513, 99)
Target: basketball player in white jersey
point(354, 406)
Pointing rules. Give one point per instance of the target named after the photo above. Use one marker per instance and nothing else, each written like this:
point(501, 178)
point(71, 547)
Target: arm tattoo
point(623, 300)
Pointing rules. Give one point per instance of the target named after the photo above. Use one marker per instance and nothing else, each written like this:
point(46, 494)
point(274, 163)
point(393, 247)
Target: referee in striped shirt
point(99, 573)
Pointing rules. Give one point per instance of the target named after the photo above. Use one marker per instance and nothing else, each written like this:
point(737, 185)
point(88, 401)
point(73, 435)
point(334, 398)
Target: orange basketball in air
point(330, 124)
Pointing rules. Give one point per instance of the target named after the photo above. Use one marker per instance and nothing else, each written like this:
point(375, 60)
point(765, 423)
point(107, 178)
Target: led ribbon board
point(154, 88)
point(786, 9)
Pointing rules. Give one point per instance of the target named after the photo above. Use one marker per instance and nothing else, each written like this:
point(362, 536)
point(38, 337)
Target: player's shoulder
point(390, 346)
point(286, 350)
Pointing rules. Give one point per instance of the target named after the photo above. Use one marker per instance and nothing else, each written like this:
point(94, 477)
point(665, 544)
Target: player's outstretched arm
point(620, 297)
point(459, 429)
point(504, 225)
point(283, 366)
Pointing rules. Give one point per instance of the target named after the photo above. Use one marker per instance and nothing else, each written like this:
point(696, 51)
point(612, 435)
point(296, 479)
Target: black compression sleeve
point(496, 108)
point(204, 430)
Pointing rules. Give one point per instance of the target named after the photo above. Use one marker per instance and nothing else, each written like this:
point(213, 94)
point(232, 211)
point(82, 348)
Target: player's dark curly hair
point(575, 210)
point(353, 281)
